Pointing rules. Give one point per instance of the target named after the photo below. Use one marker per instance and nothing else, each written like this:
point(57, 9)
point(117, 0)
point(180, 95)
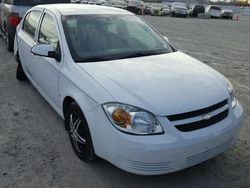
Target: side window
point(31, 22)
point(48, 32)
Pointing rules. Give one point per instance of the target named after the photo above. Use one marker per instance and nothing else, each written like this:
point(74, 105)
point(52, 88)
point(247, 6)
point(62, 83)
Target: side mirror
point(45, 50)
point(166, 39)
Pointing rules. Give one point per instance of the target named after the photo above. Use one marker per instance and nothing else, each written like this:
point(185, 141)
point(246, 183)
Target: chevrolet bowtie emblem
point(206, 117)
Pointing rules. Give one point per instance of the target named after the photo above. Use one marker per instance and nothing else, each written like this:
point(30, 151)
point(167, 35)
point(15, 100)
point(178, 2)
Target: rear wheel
point(9, 42)
point(20, 75)
point(79, 133)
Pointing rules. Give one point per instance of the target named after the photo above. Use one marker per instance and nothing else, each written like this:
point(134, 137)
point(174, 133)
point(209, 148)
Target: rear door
point(5, 12)
point(27, 39)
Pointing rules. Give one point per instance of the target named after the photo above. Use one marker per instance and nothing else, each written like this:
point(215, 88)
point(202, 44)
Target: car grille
point(201, 118)
point(156, 11)
point(148, 167)
point(227, 14)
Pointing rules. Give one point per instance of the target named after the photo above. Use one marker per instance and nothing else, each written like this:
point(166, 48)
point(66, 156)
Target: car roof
point(79, 9)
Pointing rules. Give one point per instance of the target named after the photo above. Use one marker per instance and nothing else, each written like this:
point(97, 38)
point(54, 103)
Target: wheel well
point(17, 57)
point(66, 102)
point(4, 27)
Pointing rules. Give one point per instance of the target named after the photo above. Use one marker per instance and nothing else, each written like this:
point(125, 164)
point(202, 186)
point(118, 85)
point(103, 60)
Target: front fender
point(68, 89)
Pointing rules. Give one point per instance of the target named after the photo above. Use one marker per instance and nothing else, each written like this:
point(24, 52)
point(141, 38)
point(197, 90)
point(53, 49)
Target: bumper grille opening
point(188, 125)
point(197, 112)
point(203, 123)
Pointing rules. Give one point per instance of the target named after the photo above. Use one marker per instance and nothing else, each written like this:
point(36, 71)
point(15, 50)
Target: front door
point(46, 70)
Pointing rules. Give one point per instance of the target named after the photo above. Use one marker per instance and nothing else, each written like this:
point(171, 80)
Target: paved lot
point(35, 150)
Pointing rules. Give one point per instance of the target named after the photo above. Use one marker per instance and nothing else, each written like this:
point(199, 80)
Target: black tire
point(172, 14)
point(9, 41)
point(20, 75)
point(79, 133)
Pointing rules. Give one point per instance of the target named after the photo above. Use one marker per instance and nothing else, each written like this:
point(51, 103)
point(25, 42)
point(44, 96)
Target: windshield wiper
point(140, 54)
point(93, 59)
point(115, 57)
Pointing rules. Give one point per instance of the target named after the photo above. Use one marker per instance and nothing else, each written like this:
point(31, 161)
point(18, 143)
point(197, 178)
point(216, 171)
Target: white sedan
point(125, 93)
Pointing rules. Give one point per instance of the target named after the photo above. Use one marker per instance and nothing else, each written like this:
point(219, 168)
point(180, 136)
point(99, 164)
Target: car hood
point(164, 84)
point(157, 8)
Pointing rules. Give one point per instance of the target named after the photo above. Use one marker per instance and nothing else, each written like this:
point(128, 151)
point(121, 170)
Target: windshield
point(39, 2)
point(107, 37)
point(215, 8)
point(133, 3)
point(179, 4)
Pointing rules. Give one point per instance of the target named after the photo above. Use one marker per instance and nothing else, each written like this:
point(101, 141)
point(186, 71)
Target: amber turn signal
point(121, 117)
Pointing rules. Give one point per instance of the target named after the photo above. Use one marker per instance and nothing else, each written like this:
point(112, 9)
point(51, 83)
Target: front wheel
point(79, 133)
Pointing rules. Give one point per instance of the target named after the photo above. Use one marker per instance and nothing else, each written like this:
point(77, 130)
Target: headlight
point(231, 93)
point(132, 120)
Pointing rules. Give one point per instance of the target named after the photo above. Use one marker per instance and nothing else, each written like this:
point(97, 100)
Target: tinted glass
point(48, 33)
point(39, 2)
point(31, 22)
point(200, 8)
point(215, 8)
point(133, 3)
point(179, 4)
point(107, 37)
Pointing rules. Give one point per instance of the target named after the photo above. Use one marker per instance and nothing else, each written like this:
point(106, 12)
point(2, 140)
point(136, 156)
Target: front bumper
point(160, 154)
point(226, 15)
point(157, 13)
point(215, 14)
point(180, 12)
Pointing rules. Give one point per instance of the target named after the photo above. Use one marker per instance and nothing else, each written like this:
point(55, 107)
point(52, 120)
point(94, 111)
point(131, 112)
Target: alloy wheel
point(77, 133)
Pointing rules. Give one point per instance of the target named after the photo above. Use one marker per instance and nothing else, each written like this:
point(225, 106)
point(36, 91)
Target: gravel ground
point(35, 150)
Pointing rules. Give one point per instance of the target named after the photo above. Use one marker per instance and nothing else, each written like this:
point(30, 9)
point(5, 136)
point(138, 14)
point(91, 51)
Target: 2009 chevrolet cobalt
point(125, 93)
